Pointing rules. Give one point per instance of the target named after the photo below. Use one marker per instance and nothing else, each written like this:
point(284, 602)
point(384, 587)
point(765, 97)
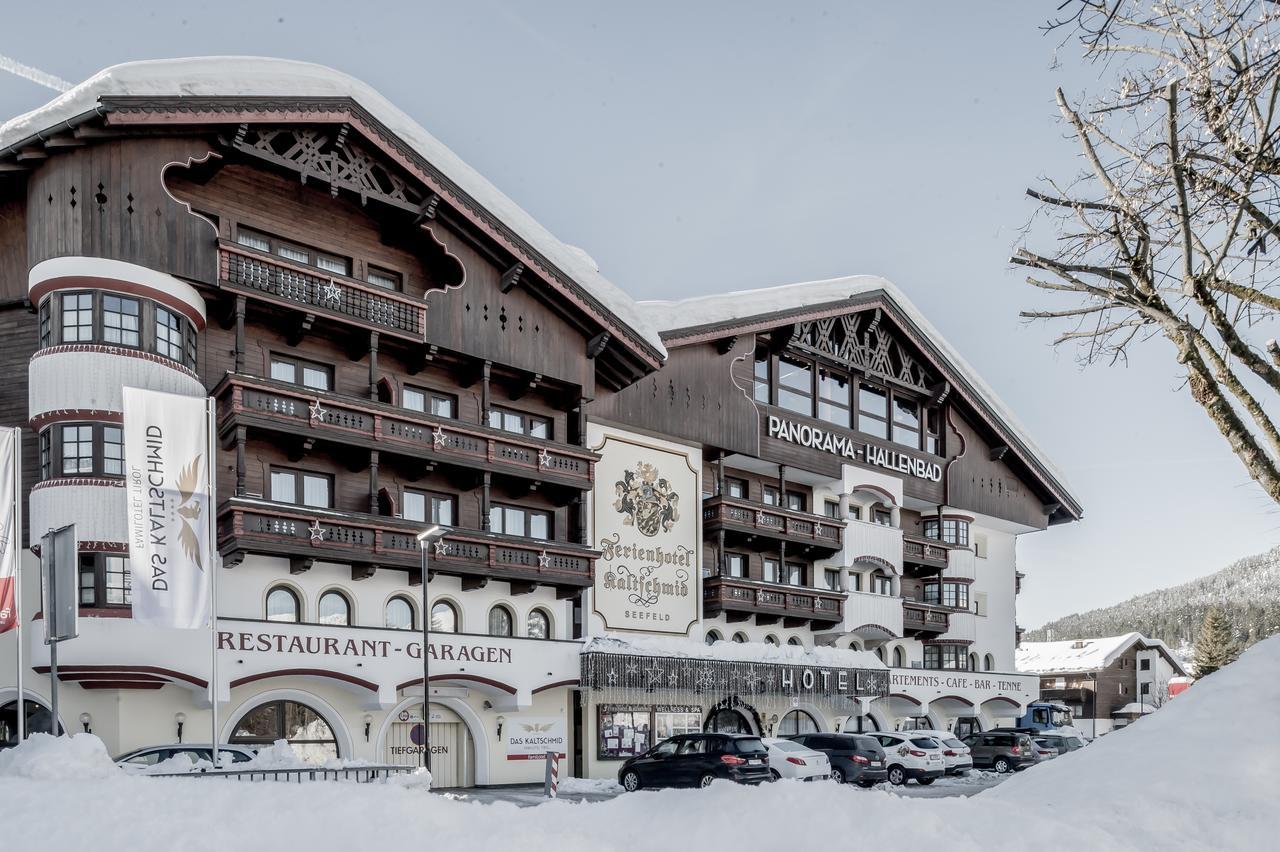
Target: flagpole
point(15, 541)
point(211, 510)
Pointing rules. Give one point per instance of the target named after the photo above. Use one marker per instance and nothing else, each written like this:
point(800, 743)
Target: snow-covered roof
point(744, 305)
point(1134, 708)
point(744, 652)
point(1083, 655)
point(251, 76)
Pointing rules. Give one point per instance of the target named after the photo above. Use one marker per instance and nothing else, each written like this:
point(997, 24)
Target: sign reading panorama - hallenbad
point(645, 522)
point(817, 438)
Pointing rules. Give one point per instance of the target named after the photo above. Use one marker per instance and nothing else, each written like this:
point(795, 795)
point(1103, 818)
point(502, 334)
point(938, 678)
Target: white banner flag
point(10, 538)
point(166, 451)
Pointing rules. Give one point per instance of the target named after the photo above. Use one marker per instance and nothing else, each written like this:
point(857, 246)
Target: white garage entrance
point(452, 750)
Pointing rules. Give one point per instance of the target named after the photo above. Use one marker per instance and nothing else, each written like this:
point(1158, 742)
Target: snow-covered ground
point(1167, 782)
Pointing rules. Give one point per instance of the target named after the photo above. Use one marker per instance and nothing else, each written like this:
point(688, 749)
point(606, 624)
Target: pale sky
point(696, 148)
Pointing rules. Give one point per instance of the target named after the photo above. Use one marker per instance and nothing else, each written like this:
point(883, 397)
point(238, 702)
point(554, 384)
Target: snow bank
point(747, 652)
point(588, 785)
point(1166, 782)
point(44, 757)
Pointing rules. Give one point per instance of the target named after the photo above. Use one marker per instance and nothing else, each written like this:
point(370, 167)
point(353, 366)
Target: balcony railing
point(732, 513)
point(731, 594)
point(306, 412)
point(297, 533)
point(315, 291)
point(923, 618)
point(919, 551)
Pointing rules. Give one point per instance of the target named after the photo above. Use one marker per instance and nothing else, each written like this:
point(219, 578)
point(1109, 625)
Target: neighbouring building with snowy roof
point(776, 511)
point(1107, 682)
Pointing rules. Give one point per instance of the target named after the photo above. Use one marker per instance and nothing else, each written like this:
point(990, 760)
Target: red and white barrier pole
point(553, 775)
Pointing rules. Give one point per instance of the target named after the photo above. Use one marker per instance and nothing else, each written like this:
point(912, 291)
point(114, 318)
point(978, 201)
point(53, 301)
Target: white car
point(141, 758)
point(911, 755)
point(789, 759)
point(954, 753)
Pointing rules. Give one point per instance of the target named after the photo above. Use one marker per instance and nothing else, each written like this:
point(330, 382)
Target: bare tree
point(1165, 231)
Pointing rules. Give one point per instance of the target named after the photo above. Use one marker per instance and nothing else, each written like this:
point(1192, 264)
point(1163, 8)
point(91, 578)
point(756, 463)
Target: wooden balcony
point(921, 619)
point(746, 519)
point(318, 293)
point(922, 556)
point(314, 415)
point(796, 606)
point(368, 542)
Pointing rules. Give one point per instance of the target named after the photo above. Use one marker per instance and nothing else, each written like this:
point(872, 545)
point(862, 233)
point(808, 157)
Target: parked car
point(1003, 751)
point(855, 758)
point(954, 753)
point(151, 755)
point(695, 760)
point(911, 755)
point(790, 759)
point(1061, 742)
point(1044, 749)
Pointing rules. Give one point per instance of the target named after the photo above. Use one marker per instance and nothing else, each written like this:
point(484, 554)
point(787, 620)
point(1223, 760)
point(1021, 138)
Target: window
point(384, 279)
point(398, 614)
point(760, 377)
point(1144, 664)
point(831, 579)
point(520, 423)
point(46, 322)
point(538, 625)
point(81, 449)
point(334, 609)
point(306, 730)
point(980, 545)
point(301, 489)
point(500, 621)
point(883, 517)
point(428, 508)
point(795, 574)
point(331, 263)
point(298, 372)
point(831, 509)
point(626, 731)
point(77, 317)
point(1122, 689)
point(294, 253)
point(734, 487)
point(735, 565)
point(77, 449)
point(954, 595)
point(906, 422)
point(121, 320)
point(1145, 688)
point(833, 397)
point(669, 723)
point(855, 511)
point(104, 580)
point(430, 402)
point(948, 530)
point(712, 637)
point(282, 605)
point(933, 432)
point(873, 410)
point(795, 640)
point(899, 658)
point(795, 385)
point(881, 584)
point(169, 335)
point(772, 640)
point(797, 502)
point(771, 570)
point(796, 722)
point(112, 450)
point(514, 520)
point(253, 240)
point(740, 638)
point(989, 663)
point(855, 582)
point(444, 618)
point(46, 454)
point(771, 496)
point(945, 657)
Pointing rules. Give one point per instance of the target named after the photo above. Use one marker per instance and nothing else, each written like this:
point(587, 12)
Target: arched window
point(796, 722)
point(726, 722)
point(500, 621)
point(772, 640)
point(444, 618)
point(282, 605)
point(538, 625)
point(880, 583)
point(989, 663)
point(973, 662)
point(398, 614)
point(334, 609)
point(39, 721)
point(899, 658)
point(712, 637)
point(740, 638)
point(859, 724)
point(795, 640)
point(304, 728)
point(880, 653)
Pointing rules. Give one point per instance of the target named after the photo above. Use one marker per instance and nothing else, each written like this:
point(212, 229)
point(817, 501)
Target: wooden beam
point(794, 621)
point(940, 392)
point(362, 572)
point(734, 617)
point(565, 593)
point(725, 344)
point(233, 559)
point(55, 143)
point(300, 328)
point(597, 344)
point(470, 584)
point(1050, 508)
point(522, 587)
point(521, 389)
point(300, 564)
point(511, 278)
point(427, 210)
point(997, 453)
point(763, 620)
point(29, 154)
point(13, 168)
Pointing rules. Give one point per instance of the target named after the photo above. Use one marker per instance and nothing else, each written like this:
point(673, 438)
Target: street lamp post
point(426, 538)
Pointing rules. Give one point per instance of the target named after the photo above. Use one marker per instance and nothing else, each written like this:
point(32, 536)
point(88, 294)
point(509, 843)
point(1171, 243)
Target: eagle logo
point(190, 506)
point(647, 499)
point(535, 728)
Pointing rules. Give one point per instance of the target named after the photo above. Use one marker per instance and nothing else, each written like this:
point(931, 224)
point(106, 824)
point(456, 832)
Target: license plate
point(876, 763)
point(754, 762)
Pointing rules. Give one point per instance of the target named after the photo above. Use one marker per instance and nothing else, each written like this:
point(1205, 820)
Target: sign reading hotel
point(817, 438)
point(645, 510)
point(530, 738)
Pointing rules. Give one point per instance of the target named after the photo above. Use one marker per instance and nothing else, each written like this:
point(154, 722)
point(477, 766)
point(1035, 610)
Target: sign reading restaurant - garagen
point(645, 525)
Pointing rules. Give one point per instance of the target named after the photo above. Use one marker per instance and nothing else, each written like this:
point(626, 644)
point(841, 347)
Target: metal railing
point(352, 774)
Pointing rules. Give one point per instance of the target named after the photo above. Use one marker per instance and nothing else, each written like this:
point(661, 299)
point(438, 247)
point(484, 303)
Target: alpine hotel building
point(774, 511)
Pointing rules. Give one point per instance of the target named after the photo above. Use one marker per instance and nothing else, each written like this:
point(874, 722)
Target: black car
point(854, 758)
point(1003, 751)
point(695, 760)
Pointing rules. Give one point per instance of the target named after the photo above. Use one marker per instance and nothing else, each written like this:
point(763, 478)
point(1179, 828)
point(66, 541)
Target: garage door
point(452, 762)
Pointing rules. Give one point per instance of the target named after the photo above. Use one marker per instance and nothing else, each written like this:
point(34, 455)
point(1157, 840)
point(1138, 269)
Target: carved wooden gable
point(864, 342)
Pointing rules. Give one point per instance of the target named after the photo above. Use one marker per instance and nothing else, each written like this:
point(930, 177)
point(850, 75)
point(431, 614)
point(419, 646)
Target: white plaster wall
point(993, 633)
point(66, 379)
point(98, 511)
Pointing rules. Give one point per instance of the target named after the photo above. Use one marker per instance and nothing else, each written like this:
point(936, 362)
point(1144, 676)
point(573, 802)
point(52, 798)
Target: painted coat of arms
point(648, 500)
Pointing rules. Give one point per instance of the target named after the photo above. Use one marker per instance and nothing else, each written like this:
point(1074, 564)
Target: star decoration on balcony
point(613, 677)
point(672, 679)
point(654, 673)
point(437, 437)
point(544, 458)
point(705, 678)
point(752, 681)
point(544, 561)
point(442, 548)
point(817, 529)
point(317, 531)
point(632, 668)
point(317, 410)
point(759, 517)
point(331, 292)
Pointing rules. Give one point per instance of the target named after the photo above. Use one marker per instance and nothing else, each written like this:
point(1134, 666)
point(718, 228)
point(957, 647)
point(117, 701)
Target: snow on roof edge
point(253, 76)
point(743, 305)
point(1098, 652)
